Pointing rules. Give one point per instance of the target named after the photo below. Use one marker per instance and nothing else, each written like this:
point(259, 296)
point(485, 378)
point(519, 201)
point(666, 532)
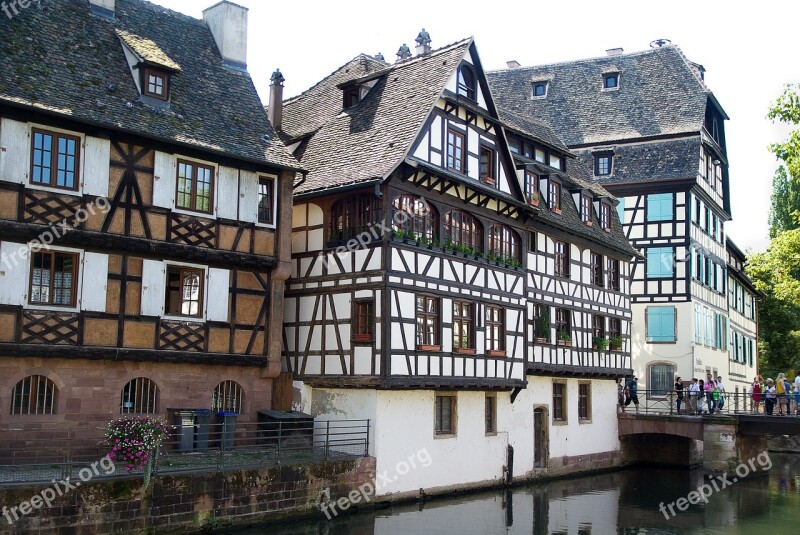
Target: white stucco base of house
point(411, 456)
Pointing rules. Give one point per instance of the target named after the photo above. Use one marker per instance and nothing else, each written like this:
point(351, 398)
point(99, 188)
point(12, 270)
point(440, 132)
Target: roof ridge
point(582, 60)
point(167, 11)
point(691, 69)
point(359, 56)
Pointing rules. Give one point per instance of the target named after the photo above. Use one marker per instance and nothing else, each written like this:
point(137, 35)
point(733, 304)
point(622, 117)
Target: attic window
point(611, 80)
point(539, 89)
point(155, 83)
point(603, 163)
point(352, 96)
point(466, 82)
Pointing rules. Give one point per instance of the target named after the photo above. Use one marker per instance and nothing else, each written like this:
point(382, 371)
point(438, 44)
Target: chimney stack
point(423, 43)
point(275, 109)
point(103, 8)
point(403, 53)
point(614, 51)
point(513, 64)
point(228, 24)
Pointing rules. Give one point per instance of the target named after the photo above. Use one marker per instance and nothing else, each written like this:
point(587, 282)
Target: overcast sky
point(749, 51)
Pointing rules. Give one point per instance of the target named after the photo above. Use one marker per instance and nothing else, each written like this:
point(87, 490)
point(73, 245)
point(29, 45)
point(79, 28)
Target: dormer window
point(605, 216)
point(539, 89)
point(155, 83)
point(586, 209)
point(466, 82)
point(487, 166)
point(532, 188)
point(603, 163)
point(554, 196)
point(611, 80)
point(351, 96)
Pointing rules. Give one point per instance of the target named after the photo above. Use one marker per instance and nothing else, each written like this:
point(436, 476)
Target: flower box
point(425, 347)
point(556, 211)
point(542, 340)
point(465, 351)
point(565, 343)
point(489, 181)
point(496, 353)
point(362, 338)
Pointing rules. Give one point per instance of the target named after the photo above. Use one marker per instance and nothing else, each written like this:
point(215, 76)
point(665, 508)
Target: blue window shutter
point(659, 262)
point(661, 324)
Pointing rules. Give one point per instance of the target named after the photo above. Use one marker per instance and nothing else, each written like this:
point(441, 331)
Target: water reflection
point(624, 502)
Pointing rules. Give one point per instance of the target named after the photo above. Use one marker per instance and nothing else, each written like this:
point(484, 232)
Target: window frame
point(182, 271)
point(660, 252)
point(554, 196)
point(193, 199)
point(486, 166)
point(650, 338)
point(563, 321)
point(140, 406)
point(586, 209)
point(234, 391)
point(494, 330)
point(357, 214)
point(490, 414)
point(668, 374)
point(52, 253)
point(38, 401)
point(605, 216)
point(270, 182)
point(419, 217)
point(53, 179)
point(596, 269)
point(466, 82)
point(659, 200)
point(560, 403)
point(438, 415)
point(503, 240)
point(532, 188)
point(363, 319)
point(611, 76)
point(423, 314)
point(535, 85)
point(466, 324)
point(614, 277)
point(603, 170)
point(158, 73)
point(465, 219)
point(562, 258)
point(451, 160)
point(584, 402)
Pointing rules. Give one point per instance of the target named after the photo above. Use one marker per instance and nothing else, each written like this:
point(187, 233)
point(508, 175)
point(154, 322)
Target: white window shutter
point(14, 273)
point(227, 192)
point(154, 286)
point(14, 151)
point(95, 282)
point(248, 197)
point(217, 292)
point(164, 180)
point(96, 164)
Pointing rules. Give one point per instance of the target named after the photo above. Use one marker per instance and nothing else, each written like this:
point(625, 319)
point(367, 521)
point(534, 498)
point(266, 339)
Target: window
point(487, 166)
point(514, 145)
point(503, 242)
point(554, 196)
point(659, 207)
point(463, 325)
point(563, 324)
point(460, 228)
point(353, 215)
point(598, 327)
point(444, 415)
point(466, 82)
point(613, 274)
point(139, 396)
point(227, 397)
point(427, 320)
point(586, 209)
point(53, 277)
point(491, 414)
point(662, 379)
point(541, 322)
point(352, 96)
point(605, 216)
point(559, 407)
point(195, 187)
point(661, 324)
point(455, 151)
point(707, 219)
point(596, 268)
point(539, 89)
point(659, 262)
point(184, 291)
point(614, 328)
point(155, 84)
point(555, 161)
point(266, 195)
point(415, 217)
point(540, 155)
point(698, 209)
point(36, 394)
point(602, 164)
point(611, 80)
point(698, 324)
point(532, 187)
point(495, 335)
point(562, 258)
point(363, 320)
point(55, 159)
point(584, 401)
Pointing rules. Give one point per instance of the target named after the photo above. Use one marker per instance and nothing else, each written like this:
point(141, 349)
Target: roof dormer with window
point(354, 91)
point(152, 69)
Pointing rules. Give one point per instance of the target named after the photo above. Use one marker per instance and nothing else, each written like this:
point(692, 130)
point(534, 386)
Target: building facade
point(742, 297)
point(445, 287)
point(652, 133)
point(145, 207)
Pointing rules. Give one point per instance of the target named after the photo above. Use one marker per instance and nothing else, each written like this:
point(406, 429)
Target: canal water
point(623, 502)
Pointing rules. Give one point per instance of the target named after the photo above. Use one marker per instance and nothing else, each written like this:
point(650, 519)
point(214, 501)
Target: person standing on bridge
point(797, 394)
point(721, 390)
point(769, 397)
point(756, 391)
point(630, 393)
point(708, 388)
point(781, 394)
point(679, 391)
point(694, 393)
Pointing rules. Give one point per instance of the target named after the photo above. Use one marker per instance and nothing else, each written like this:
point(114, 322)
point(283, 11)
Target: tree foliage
point(786, 109)
point(784, 212)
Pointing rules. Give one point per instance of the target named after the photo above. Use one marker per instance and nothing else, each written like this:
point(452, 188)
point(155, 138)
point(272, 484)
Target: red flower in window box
point(362, 338)
point(489, 181)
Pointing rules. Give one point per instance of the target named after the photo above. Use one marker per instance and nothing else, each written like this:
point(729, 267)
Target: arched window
point(413, 215)
point(354, 215)
point(139, 396)
point(504, 242)
point(661, 378)
point(466, 82)
point(36, 394)
point(227, 397)
point(460, 228)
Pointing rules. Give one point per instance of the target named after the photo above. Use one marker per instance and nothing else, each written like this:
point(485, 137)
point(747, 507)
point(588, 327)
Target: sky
point(749, 52)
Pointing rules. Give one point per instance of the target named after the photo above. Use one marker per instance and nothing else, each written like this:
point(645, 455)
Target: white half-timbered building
point(424, 293)
point(742, 300)
point(652, 133)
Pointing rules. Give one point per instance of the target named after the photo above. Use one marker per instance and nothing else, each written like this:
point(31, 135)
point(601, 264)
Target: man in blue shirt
point(630, 393)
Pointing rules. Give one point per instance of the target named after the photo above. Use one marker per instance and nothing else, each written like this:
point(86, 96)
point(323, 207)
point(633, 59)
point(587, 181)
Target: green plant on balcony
point(542, 326)
point(601, 344)
point(615, 342)
point(564, 336)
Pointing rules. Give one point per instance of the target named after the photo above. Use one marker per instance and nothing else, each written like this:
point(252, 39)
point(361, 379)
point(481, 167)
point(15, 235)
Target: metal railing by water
point(660, 402)
point(42, 453)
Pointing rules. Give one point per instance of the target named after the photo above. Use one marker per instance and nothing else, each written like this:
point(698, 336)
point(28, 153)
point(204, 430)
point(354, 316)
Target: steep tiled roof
point(658, 94)
point(147, 49)
point(672, 159)
point(531, 127)
point(370, 139)
point(63, 60)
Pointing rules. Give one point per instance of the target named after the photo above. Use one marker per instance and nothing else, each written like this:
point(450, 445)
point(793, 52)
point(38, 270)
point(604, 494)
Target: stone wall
point(190, 502)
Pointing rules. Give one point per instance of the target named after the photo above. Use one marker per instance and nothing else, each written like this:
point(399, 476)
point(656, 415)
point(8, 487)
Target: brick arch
point(5, 394)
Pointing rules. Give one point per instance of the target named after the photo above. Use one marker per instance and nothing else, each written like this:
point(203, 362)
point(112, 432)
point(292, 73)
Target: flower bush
point(135, 439)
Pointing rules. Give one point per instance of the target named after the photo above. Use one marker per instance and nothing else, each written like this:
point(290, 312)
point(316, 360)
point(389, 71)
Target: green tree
point(784, 213)
point(776, 272)
point(786, 109)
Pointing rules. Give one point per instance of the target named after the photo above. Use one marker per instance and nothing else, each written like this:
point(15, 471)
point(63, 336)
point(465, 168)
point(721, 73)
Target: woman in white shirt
point(769, 396)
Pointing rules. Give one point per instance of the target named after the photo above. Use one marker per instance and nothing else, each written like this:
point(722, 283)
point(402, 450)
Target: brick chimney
point(228, 24)
point(275, 109)
point(103, 8)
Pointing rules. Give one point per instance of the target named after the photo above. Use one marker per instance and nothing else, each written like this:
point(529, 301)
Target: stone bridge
point(717, 442)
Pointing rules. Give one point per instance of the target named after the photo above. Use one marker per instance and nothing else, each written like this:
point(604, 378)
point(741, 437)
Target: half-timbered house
point(424, 294)
point(743, 313)
point(145, 204)
point(652, 133)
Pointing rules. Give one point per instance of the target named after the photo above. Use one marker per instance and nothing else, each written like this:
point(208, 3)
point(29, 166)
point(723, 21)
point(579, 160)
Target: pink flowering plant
point(135, 440)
